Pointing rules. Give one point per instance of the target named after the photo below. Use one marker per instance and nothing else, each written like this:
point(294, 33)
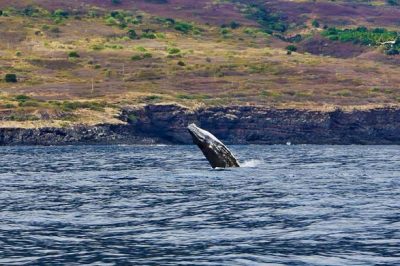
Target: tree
point(11, 78)
point(116, 2)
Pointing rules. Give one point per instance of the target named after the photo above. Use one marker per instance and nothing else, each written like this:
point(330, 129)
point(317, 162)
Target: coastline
point(166, 124)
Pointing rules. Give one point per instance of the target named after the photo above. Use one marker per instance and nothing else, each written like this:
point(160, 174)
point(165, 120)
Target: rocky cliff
point(234, 125)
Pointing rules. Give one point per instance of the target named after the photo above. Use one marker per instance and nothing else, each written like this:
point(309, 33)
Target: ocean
point(164, 205)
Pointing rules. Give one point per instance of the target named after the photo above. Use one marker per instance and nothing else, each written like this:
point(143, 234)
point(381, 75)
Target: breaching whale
point(213, 149)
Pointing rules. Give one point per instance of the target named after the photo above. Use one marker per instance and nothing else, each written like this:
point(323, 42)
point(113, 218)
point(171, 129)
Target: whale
point(218, 155)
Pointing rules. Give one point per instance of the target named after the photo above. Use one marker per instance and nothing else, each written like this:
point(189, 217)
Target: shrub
point(291, 48)
point(174, 50)
point(393, 2)
point(181, 63)
point(116, 2)
point(148, 35)
point(392, 51)
point(234, 25)
point(73, 54)
point(11, 78)
point(136, 57)
point(152, 98)
point(29, 103)
point(315, 23)
point(141, 49)
point(132, 118)
point(183, 26)
point(70, 106)
point(60, 13)
point(224, 31)
point(29, 11)
point(22, 98)
point(110, 21)
point(132, 34)
point(147, 55)
point(1, 12)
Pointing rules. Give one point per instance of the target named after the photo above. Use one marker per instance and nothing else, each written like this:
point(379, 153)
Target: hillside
point(70, 62)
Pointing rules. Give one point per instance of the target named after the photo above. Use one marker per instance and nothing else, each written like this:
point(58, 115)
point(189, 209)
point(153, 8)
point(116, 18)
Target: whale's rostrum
point(213, 149)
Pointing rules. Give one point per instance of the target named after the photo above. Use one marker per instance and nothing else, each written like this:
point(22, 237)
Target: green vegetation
point(183, 26)
point(268, 20)
point(132, 118)
point(148, 34)
point(393, 2)
point(116, 2)
point(173, 50)
point(83, 64)
point(315, 23)
point(73, 54)
point(10, 78)
point(365, 36)
point(291, 48)
point(138, 57)
point(74, 105)
point(132, 34)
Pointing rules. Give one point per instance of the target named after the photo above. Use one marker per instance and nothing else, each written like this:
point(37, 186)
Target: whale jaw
point(213, 149)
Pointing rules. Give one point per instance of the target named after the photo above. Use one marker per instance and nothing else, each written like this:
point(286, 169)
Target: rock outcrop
point(233, 125)
point(258, 125)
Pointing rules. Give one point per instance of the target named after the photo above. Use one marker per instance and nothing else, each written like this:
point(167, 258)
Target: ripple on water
point(152, 205)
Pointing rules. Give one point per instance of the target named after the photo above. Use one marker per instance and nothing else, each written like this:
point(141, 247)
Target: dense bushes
point(365, 36)
point(393, 2)
point(181, 26)
point(268, 20)
point(361, 35)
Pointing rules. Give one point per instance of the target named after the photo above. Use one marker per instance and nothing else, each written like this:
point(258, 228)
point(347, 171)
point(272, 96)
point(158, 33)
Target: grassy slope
point(244, 66)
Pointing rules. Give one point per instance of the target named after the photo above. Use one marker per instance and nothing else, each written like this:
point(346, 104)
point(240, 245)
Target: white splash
point(251, 163)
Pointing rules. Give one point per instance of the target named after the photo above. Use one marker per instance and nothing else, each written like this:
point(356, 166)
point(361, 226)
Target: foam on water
point(251, 163)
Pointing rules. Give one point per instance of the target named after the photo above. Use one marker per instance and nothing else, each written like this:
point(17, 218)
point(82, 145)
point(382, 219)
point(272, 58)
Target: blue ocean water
point(163, 205)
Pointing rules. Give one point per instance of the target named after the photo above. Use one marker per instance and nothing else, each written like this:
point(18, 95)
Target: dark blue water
point(136, 205)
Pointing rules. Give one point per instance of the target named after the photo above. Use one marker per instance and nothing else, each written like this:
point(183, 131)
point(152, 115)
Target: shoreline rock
point(153, 124)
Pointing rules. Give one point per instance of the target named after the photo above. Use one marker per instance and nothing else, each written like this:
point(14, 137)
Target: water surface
point(163, 205)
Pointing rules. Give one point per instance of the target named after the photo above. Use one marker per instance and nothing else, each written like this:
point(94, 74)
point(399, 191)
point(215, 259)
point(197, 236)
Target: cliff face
point(233, 125)
point(257, 125)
